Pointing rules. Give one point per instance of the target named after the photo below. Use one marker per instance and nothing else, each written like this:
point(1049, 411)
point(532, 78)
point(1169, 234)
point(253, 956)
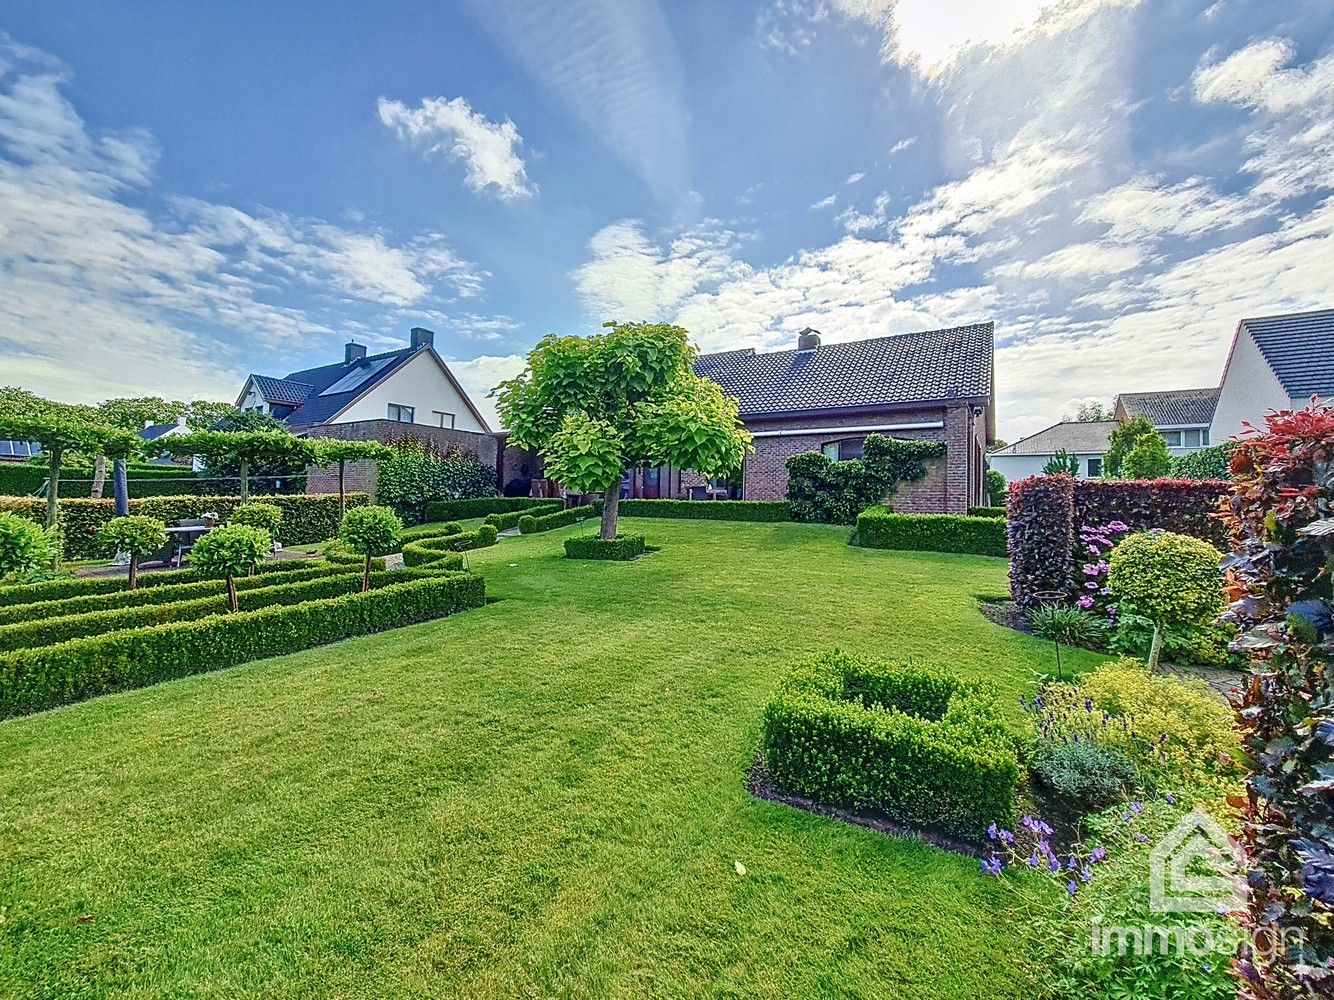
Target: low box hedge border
point(530, 525)
point(709, 510)
point(620, 548)
point(510, 519)
point(49, 631)
point(879, 528)
point(78, 586)
point(462, 510)
point(918, 745)
point(986, 512)
point(308, 569)
point(34, 679)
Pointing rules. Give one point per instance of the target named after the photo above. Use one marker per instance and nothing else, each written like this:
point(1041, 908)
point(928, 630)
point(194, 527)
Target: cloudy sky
point(192, 192)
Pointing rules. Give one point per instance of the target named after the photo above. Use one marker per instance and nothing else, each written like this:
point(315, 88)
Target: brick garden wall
point(360, 476)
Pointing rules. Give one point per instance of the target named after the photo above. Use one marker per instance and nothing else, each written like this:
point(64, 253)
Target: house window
point(402, 414)
point(843, 451)
point(1095, 468)
point(1195, 438)
point(443, 419)
point(1173, 438)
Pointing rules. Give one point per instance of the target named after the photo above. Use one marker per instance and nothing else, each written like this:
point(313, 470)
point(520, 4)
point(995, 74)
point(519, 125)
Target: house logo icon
point(1195, 868)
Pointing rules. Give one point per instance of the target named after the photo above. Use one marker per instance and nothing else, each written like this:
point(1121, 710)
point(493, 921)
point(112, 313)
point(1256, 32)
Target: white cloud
point(823, 203)
point(451, 127)
point(855, 178)
point(902, 144)
point(788, 26)
point(1076, 262)
point(107, 289)
point(1145, 209)
point(614, 66)
point(480, 375)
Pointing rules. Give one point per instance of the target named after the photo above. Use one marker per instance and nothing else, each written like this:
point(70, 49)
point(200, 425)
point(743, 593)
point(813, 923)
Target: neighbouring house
point(156, 432)
point(1275, 363)
point(18, 451)
point(385, 397)
point(935, 385)
point(1182, 416)
point(1085, 440)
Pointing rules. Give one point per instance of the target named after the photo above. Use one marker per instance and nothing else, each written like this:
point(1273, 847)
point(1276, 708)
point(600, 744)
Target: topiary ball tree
point(231, 551)
point(24, 546)
point(1148, 459)
point(371, 531)
point(1172, 580)
point(137, 535)
point(258, 515)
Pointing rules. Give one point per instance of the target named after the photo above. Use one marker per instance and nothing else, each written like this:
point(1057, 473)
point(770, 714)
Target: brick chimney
point(808, 339)
point(353, 352)
point(419, 336)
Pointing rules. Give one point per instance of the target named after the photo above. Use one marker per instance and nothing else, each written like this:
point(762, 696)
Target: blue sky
point(189, 192)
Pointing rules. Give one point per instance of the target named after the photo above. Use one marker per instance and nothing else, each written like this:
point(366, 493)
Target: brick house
point(936, 385)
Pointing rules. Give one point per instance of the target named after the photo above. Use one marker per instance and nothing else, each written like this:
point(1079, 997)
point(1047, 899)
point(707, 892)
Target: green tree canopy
point(136, 535)
point(1149, 459)
point(231, 551)
point(1062, 463)
point(1122, 442)
point(596, 406)
point(333, 451)
point(131, 413)
point(370, 531)
point(246, 451)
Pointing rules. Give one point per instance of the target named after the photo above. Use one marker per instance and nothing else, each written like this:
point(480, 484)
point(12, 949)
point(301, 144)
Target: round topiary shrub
point(370, 531)
point(229, 552)
point(136, 535)
point(25, 546)
point(264, 516)
point(1172, 580)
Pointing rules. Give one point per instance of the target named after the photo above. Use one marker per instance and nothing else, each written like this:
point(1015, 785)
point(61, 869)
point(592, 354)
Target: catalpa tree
point(597, 406)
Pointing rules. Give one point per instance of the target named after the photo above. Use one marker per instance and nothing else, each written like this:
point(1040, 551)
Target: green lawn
point(541, 797)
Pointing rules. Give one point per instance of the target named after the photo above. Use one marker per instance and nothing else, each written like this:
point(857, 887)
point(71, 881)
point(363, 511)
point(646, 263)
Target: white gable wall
point(252, 400)
point(1015, 467)
point(421, 384)
point(1250, 390)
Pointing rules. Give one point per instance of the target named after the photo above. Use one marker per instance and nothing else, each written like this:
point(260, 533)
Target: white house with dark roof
point(1086, 440)
point(1275, 363)
point(412, 385)
point(1182, 416)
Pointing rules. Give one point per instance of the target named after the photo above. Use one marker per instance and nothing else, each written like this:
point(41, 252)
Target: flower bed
point(921, 746)
point(622, 547)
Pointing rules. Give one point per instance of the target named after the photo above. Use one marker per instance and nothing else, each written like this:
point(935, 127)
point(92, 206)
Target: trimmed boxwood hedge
point(621, 548)
point(709, 510)
point(307, 569)
point(919, 745)
point(879, 528)
point(33, 679)
point(530, 525)
point(307, 518)
point(461, 510)
point(986, 512)
point(506, 521)
point(55, 590)
point(48, 631)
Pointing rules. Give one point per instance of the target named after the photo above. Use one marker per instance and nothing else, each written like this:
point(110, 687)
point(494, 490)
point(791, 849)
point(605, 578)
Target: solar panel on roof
point(357, 377)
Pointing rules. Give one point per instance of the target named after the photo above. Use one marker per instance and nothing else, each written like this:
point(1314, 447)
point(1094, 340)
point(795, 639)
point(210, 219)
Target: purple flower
point(1085, 875)
point(1137, 807)
point(1033, 860)
point(1071, 887)
point(991, 866)
point(1170, 799)
point(1085, 602)
point(1054, 863)
point(1097, 855)
point(1141, 838)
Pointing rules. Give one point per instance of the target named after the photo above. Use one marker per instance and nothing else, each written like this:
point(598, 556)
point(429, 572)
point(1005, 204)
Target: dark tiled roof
point(1300, 349)
point(283, 391)
point(912, 367)
point(317, 407)
point(155, 431)
point(1175, 407)
point(1078, 438)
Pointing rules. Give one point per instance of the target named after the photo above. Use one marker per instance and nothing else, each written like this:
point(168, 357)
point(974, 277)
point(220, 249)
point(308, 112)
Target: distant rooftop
point(1087, 437)
point(1173, 408)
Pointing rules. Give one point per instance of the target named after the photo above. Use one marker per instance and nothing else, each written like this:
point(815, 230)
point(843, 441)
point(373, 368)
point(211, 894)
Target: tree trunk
point(1156, 650)
point(366, 576)
point(231, 594)
point(342, 494)
point(611, 505)
point(52, 486)
point(99, 477)
point(245, 481)
point(134, 570)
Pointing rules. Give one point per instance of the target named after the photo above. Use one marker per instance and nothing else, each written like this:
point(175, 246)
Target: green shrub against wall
point(33, 679)
point(986, 512)
point(462, 510)
point(307, 518)
point(836, 492)
point(529, 525)
point(921, 746)
point(709, 510)
point(879, 528)
point(419, 474)
point(619, 549)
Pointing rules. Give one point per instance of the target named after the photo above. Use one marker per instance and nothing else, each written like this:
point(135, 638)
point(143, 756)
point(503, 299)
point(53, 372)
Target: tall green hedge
point(709, 510)
point(33, 679)
point(18, 479)
point(921, 746)
point(307, 518)
point(461, 510)
point(879, 528)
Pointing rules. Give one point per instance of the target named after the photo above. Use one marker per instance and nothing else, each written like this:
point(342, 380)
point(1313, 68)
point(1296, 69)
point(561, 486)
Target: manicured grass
point(540, 797)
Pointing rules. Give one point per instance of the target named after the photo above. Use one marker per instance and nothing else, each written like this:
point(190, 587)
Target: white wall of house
point(1193, 437)
point(1250, 389)
point(1014, 467)
point(421, 385)
point(253, 400)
